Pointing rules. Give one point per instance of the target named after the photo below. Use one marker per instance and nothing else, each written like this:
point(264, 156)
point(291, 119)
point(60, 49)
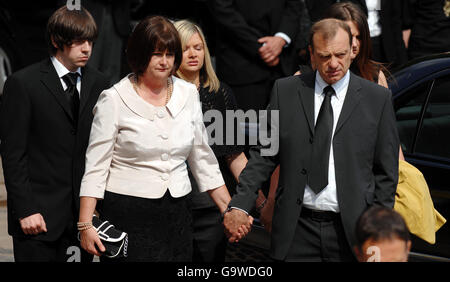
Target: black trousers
point(319, 240)
point(210, 242)
point(66, 249)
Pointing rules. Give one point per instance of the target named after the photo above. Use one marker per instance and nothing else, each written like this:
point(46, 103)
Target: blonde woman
point(196, 67)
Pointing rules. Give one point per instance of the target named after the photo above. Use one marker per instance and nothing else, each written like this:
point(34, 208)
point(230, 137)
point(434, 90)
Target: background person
point(209, 239)
point(45, 119)
point(145, 128)
point(382, 236)
point(254, 47)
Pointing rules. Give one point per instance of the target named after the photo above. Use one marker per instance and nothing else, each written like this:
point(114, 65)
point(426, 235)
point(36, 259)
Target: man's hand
point(237, 224)
point(33, 224)
point(271, 49)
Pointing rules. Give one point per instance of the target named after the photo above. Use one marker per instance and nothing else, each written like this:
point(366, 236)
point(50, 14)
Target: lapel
point(306, 95)
point(352, 99)
point(87, 81)
point(50, 79)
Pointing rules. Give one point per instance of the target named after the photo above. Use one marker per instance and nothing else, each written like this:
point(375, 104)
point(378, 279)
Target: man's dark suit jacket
point(43, 153)
point(240, 23)
point(365, 149)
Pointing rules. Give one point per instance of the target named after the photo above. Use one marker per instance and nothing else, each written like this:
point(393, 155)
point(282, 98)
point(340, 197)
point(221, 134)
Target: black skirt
point(159, 230)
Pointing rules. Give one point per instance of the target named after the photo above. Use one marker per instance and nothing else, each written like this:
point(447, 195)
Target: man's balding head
point(327, 29)
point(330, 49)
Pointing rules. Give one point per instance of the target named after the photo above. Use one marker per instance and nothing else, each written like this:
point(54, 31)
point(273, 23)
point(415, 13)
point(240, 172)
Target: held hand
point(233, 221)
point(273, 45)
point(89, 239)
point(33, 224)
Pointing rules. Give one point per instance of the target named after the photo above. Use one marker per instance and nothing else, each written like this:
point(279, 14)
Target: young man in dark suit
point(45, 121)
point(338, 154)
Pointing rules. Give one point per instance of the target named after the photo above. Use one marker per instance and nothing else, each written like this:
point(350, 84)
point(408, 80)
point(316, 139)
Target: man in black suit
point(338, 154)
point(45, 121)
point(254, 47)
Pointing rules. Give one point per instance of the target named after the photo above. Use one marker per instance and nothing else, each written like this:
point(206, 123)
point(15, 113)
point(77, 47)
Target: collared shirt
point(373, 17)
point(326, 200)
point(61, 70)
point(141, 150)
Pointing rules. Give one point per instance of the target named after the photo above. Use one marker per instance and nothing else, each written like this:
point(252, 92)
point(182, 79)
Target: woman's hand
point(89, 239)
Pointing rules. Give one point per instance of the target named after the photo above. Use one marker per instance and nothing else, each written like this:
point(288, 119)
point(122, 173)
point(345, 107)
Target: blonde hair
point(208, 77)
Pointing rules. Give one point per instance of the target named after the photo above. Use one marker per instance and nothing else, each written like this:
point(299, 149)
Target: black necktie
point(318, 176)
point(72, 93)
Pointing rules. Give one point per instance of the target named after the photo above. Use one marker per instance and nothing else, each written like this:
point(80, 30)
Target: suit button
point(165, 176)
point(73, 132)
point(164, 157)
point(299, 202)
point(304, 171)
point(160, 114)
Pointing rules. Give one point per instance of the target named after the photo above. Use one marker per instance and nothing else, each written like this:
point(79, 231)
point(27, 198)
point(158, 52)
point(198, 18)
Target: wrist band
point(84, 226)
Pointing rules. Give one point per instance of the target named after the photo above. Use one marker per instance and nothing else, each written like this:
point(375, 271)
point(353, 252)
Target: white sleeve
point(99, 153)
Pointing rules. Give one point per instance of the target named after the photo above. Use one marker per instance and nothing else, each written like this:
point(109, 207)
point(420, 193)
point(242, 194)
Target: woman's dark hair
point(380, 223)
point(66, 26)
point(347, 11)
point(153, 34)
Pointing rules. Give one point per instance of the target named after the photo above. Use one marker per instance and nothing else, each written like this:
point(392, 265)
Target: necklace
point(169, 87)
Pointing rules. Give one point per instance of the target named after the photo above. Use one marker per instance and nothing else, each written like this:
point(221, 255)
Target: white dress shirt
point(140, 150)
point(285, 37)
point(373, 18)
point(326, 200)
point(61, 70)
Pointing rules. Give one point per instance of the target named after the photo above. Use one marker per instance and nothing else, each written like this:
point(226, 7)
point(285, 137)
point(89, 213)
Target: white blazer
point(140, 150)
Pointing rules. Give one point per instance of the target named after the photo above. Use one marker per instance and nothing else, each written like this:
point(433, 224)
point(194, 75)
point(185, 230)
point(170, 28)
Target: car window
point(434, 135)
point(408, 108)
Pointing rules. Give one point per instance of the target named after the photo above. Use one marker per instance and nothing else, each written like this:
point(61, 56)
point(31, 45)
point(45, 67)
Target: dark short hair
point(379, 223)
point(328, 28)
point(66, 26)
point(153, 34)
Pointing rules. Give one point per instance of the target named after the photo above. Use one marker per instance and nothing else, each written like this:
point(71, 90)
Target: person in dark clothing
point(429, 25)
point(45, 120)
point(114, 26)
point(209, 239)
point(255, 46)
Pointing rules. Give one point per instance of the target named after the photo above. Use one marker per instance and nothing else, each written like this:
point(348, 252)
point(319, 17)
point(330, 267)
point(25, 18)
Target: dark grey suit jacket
point(365, 146)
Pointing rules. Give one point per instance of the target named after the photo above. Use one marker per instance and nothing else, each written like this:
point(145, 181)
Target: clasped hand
point(271, 49)
point(237, 225)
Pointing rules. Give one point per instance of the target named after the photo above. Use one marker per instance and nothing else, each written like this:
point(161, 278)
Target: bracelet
point(84, 226)
point(258, 209)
